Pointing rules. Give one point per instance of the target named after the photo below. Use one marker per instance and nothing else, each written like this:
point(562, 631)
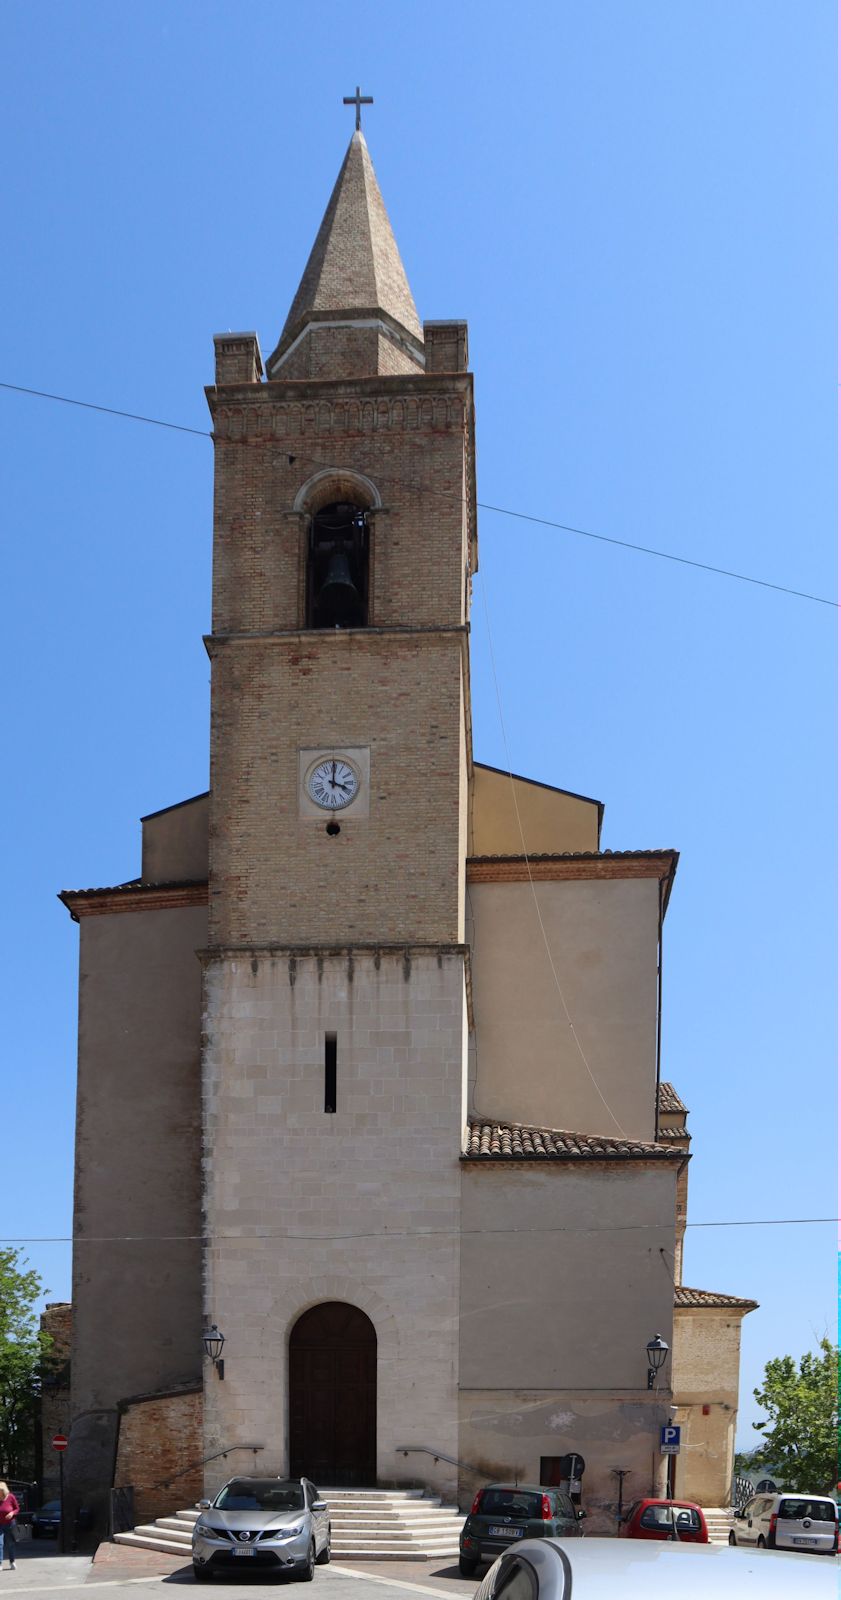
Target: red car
point(665, 1519)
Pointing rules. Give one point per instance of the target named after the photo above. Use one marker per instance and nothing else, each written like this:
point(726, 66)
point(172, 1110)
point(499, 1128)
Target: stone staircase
point(719, 1522)
point(367, 1525)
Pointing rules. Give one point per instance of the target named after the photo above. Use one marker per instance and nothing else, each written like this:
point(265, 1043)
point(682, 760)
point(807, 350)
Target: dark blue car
point(46, 1522)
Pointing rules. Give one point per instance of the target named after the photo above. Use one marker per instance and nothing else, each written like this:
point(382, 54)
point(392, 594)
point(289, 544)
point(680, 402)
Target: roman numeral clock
point(333, 780)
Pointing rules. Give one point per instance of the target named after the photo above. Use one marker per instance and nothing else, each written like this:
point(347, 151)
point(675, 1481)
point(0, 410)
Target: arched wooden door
point(333, 1397)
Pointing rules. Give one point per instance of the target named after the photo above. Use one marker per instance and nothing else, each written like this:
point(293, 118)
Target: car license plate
point(805, 1541)
point(243, 1550)
point(505, 1533)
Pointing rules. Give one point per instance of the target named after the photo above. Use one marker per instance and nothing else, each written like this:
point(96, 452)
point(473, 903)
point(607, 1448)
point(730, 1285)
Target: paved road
point(41, 1572)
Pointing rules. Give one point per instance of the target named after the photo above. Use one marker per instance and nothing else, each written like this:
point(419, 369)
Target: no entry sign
point(59, 1441)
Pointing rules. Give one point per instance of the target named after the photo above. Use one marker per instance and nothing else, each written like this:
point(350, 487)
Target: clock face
point(332, 784)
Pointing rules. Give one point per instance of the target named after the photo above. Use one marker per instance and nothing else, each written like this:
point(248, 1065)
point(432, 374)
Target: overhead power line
point(399, 1233)
point(664, 555)
point(109, 411)
point(501, 511)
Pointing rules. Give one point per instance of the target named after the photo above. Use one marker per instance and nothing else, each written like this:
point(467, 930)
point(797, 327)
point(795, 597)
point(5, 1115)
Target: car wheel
point(731, 1537)
point(201, 1574)
point(307, 1573)
point(324, 1558)
point(467, 1567)
point(760, 1543)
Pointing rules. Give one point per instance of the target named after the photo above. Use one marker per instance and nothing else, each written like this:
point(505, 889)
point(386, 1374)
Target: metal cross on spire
point(358, 100)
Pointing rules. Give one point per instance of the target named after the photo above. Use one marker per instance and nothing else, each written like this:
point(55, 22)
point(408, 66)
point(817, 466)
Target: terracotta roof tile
point(581, 855)
point(668, 1099)
point(513, 1141)
point(135, 884)
point(697, 1299)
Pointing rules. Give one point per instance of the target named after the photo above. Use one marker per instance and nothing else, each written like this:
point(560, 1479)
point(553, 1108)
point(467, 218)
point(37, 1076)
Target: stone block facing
point(361, 1206)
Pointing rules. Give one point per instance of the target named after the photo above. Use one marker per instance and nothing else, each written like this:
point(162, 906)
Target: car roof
point(687, 1505)
point(799, 1494)
point(262, 1477)
point(802, 1494)
point(521, 1488)
point(605, 1568)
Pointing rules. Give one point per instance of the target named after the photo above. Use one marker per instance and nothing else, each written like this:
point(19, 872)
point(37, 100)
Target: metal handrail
point(202, 1462)
point(437, 1455)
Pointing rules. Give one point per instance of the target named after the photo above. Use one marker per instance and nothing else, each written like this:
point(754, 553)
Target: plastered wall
point(137, 1208)
point(564, 1281)
point(510, 815)
point(603, 938)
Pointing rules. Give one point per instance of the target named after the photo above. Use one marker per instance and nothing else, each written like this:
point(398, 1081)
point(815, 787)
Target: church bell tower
point(335, 1007)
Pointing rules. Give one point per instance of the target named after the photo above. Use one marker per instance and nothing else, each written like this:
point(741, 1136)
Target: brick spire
point(354, 279)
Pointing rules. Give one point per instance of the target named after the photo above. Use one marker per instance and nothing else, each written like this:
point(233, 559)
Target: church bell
point(338, 598)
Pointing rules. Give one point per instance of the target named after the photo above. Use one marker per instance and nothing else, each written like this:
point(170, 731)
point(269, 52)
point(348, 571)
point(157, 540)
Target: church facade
point(369, 1053)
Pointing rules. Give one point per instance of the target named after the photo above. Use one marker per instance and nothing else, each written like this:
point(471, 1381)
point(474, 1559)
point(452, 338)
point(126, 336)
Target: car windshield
point(685, 1519)
point(818, 1510)
point(260, 1494)
point(52, 1507)
point(510, 1503)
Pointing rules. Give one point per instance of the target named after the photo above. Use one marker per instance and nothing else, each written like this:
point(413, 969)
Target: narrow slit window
point(330, 1072)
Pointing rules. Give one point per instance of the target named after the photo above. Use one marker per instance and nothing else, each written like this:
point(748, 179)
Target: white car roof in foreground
point(646, 1569)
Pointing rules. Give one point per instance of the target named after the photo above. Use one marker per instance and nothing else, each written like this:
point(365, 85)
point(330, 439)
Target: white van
point(788, 1522)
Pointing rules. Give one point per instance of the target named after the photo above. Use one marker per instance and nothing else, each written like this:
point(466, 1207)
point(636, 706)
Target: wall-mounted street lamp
point(657, 1351)
point(213, 1341)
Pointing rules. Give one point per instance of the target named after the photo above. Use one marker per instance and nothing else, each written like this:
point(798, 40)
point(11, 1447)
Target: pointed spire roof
point(354, 267)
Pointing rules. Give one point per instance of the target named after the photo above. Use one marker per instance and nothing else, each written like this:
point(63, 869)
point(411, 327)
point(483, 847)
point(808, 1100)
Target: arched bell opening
point(337, 567)
point(333, 1396)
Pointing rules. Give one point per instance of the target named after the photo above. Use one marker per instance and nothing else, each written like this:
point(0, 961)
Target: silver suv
point(788, 1522)
point(262, 1522)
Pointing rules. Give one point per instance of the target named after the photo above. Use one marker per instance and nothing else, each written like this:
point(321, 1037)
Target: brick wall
point(395, 688)
point(57, 1321)
point(160, 1439)
point(394, 874)
point(410, 436)
point(707, 1345)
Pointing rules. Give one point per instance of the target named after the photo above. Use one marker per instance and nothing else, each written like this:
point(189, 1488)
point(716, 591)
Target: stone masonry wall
point(361, 1206)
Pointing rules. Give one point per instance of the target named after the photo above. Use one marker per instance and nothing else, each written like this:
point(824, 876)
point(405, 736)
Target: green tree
point(23, 1348)
point(800, 1434)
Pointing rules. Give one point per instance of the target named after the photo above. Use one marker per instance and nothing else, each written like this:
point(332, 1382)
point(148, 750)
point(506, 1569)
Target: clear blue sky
point(632, 202)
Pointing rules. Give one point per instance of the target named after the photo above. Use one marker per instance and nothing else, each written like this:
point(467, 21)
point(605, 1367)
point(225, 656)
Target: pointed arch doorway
point(333, 1396)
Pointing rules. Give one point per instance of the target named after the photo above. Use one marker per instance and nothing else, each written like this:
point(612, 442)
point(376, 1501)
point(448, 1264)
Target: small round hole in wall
point(333, 828)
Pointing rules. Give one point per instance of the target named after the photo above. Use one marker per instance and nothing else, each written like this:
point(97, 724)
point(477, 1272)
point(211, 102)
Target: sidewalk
point(118, 1561)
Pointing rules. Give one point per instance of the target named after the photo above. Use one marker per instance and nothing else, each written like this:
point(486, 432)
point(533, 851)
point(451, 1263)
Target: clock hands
point(333, 783)
point(337, 783)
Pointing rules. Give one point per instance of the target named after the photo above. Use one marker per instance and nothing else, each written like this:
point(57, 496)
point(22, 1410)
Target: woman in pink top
point(9, 1509)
